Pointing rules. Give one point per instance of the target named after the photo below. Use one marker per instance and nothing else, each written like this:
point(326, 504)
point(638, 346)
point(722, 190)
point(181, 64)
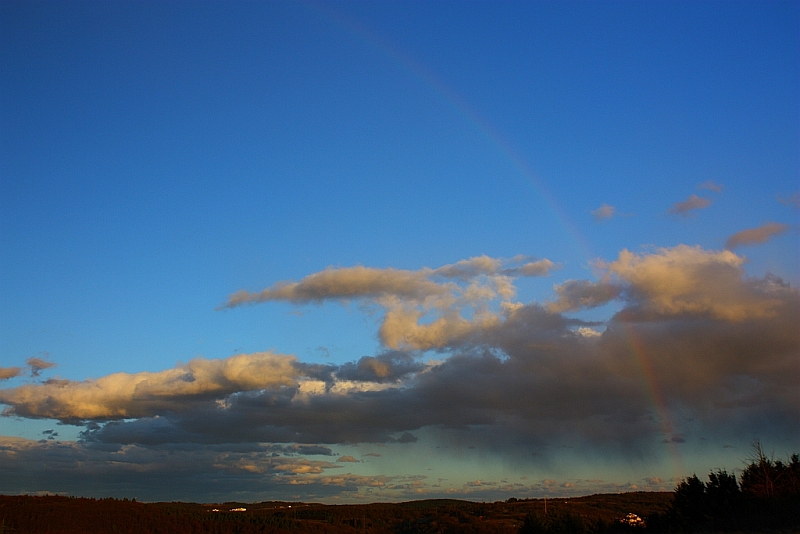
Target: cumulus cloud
point(604, 212)
point(753, 236)
point(691, 280)
point(689, 205)
point(123, 395)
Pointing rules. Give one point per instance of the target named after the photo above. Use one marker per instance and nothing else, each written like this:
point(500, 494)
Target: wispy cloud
point(791, 201)
point(711, 186)
point(349, 283)
point(753, 236)
point(37, 365)
point(686, 207)
point(604, 212)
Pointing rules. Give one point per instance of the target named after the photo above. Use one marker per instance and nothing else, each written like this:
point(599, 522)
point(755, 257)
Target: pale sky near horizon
point(370, 251)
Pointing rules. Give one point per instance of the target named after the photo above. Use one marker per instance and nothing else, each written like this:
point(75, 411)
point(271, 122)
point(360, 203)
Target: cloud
point(711, 186)
point(9, 372)
point(604, 212)
point(345, 283)
point(719, 348)
point(37, 365)
point(690, 280)
point(407, 437)
point(533, 268)
point(123, 395)
point(753, 236)
point(792, 201)
point(579, 294)
point(170, 472)
point(466, 269)
point(424, 309)
point(370, 283)
point(387, 367)
point(348, 459)
point(682, 280)
point(692, 203)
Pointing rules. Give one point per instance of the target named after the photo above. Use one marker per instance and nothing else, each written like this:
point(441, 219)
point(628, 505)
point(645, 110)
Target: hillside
point(68, 515)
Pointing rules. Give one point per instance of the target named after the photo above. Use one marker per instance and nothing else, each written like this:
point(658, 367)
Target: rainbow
point(484, 127)
point(657, 399)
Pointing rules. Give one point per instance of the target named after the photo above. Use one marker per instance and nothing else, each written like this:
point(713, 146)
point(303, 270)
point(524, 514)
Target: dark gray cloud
point(208, 474)
point(169, 472)
point(578, 294)
point(707, 341)
point(699, 351)
point(387, 367)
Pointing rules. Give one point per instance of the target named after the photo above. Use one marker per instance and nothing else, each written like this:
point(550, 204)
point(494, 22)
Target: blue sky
point(481, 249)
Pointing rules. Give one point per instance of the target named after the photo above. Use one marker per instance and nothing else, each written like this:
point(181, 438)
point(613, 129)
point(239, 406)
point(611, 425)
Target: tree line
point(766, 497)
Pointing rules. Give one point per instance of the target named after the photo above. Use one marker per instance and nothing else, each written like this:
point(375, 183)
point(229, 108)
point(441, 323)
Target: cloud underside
point(253, 473)
point(697, 350)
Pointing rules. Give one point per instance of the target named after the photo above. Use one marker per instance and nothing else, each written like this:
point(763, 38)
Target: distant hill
point(68, 515)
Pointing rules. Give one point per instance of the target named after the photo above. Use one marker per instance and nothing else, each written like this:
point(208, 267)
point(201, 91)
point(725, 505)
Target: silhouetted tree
point(689, 505)
point(766, 497)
